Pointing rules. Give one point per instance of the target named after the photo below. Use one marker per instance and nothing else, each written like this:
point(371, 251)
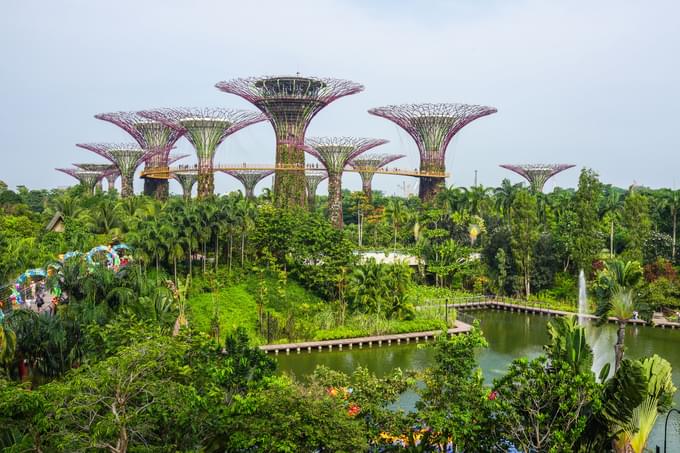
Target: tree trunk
point(675, 216)
point(611, 240)
point(231, 243)
point(217, 251)
point(205, 251)
point(527, 278)
point(174, 265)
point(395, 236)
point(618, 347)
point(243, 246)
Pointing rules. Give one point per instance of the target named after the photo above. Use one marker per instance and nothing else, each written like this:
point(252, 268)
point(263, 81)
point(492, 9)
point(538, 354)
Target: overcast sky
point(593, 83)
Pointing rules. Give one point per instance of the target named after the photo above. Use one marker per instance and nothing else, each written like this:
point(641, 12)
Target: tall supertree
point(187, 181)
point(206, 129)
point(125, 156)
point(249, 179)
point(104, 169)
point(154, 137)
point(313, 179)
point(290, 103)
point(367, 165)
point(335, 153)
point(432, 126)
point(88, 179)
point(537, 174)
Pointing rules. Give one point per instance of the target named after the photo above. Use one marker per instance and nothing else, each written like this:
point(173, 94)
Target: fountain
point(582, 298)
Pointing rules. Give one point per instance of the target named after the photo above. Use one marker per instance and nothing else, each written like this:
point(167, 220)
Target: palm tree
point(8, 344)
point(611, 206)
point(672, 203)
point(106, 217)
point(396, 213)
point(617, 299)
point(505, 195)
point(657, 398)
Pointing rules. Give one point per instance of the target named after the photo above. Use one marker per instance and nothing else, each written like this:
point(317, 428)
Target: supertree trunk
point(335, 200)
point(366, 186)
point(126, 186)
point(429, 187)
point(98, 186)
point(289, 185)
point(157, 188)
point(206, 179)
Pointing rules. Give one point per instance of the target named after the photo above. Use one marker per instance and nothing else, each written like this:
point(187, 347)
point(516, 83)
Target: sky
point(592, 83)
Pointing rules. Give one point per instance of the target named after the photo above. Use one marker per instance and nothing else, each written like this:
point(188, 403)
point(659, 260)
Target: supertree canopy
point(187, 181)
point(104, 169)
point(290, 103)
point(88, 179)
point(205, 128)
point(249, 179)
point(367, 165)
point(432, 126)
point(313, 179)
point(154, 137)
point(335, 153)
point(537, 174)
point(125, 156)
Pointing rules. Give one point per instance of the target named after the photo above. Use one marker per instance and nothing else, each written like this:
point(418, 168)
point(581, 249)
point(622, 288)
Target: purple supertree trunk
point(367, 165)
point(314, 178)
point(290, 103)
point(154, 138)
point(205, 129)
point(432, 126)
point(335, 153)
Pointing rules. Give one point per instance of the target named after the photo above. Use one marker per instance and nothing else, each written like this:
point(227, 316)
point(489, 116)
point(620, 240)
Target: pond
point(510, 335)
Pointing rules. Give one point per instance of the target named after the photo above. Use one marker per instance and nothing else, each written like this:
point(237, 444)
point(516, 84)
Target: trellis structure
point(154, 137)
point(249, 179)
point(187, 181)
point(290, 103)
point(88, 179)
point(313, 178)
point(111, 177)
point(335, 153)
point(432, 126)
point(125, 156)
point(537, 174)
point(206, 129)
point(367, 165)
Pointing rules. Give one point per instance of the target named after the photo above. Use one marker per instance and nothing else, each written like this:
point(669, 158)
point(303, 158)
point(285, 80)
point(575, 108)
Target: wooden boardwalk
point(506, 306)
point(378, 340)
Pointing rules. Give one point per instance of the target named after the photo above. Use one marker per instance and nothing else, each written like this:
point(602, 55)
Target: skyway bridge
point(167, 172)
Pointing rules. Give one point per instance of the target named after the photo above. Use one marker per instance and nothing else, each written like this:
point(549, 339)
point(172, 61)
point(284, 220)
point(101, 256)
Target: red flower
point(493, 395)
point(353, 410)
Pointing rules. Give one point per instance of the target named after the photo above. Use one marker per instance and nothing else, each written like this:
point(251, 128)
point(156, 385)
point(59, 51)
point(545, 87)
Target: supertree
point(205, 128)
point(88, 179)
point(335, 153)
point(155, 138)
point(537, 174)
point(367, 165)
point(290, 103)
point(104, 169)
point(249, 179)
point(111, 177)
point(432, 126)
point(125, 156)
point(187, 181)
point(313, 179)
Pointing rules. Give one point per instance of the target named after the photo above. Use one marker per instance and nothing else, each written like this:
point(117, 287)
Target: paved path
point(308, 346)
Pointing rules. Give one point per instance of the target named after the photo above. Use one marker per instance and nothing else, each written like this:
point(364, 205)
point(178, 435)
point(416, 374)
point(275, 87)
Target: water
point(510, 335)
point(582, 298)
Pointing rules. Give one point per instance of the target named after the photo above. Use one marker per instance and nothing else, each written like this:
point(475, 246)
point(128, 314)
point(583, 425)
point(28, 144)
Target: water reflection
point(510, 335)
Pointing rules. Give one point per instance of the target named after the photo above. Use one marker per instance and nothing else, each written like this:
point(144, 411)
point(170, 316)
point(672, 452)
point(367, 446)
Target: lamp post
point(665, 427)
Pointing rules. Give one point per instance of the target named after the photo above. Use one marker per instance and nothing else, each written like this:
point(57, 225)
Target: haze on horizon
point(589, 83)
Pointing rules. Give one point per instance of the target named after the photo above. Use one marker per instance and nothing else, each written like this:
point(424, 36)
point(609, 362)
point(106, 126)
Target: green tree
point(636, 223)
point(525, 231)
point(584, 238)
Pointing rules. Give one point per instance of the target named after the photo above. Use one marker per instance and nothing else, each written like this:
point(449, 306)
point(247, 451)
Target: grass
point(236, 307)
